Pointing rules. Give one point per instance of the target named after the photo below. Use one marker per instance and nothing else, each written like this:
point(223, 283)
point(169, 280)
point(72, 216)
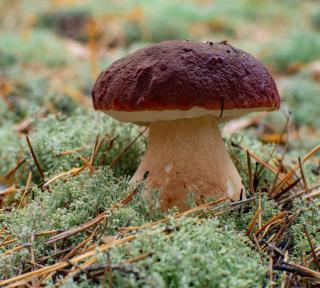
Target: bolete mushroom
point(182, 90)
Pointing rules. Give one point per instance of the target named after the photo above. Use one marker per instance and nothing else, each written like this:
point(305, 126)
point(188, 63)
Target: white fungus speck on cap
point(168, 168)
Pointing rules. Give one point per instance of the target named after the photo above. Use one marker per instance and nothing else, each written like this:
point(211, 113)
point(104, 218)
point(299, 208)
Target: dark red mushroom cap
point(184, 79)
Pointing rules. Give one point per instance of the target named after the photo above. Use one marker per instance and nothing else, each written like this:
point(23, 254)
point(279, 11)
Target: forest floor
point(68, 217)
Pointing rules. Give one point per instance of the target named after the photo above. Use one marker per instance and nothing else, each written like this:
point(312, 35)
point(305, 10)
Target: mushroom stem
point(187, 157)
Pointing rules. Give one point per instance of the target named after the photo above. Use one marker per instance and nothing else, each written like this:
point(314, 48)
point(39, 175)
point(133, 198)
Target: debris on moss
point(69, 206)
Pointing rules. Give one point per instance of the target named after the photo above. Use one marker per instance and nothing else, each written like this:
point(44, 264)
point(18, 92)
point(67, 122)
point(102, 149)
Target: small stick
point(253, 222)
point(314, 255)
point(305, 184)
point(296, 167)
point(301, 192)
point(110, 270)
point(78, 229)
point(79, 246)
point(275, 223)
point(7, 242)
point(96, 220)
point(139, 258)
point(35, 159)
point(34, 280)
point(60, 265)
point(285, 190)
point(263, 163)
point(278, 172)
point(275, 181)
point(135, 191)
point(26, 189)
point(95, 149)
point(273, 248)
point(284, 275)
point(75, 265)
point(271, 270)
point(106, 153)
point(232, 206)
point(256, 177)
point(260, 210)
point(49, 232)
point(69, 152)
point(256, 242)
point(312, 194)
point(271, 221)
point(15, 169)
point(300, 270)
point(88, 164)
point(15, 249)
point(285, 226)
point(118, 158)
point(58, 253)
point(8, 191)
point(3, 229)
point(243, 201)
point(251, 189)
point(72, 172)
point(203, 202)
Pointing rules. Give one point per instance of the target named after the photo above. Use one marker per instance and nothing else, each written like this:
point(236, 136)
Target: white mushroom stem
point(187, 157)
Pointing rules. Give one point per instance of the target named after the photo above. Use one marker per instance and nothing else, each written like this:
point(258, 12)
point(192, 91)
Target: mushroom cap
point(184, 79)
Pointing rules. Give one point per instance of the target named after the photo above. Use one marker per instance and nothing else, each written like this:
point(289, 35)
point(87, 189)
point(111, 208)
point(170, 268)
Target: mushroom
point(182, 90)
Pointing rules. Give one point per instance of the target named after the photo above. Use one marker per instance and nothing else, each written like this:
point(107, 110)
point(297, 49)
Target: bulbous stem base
point(186, 158)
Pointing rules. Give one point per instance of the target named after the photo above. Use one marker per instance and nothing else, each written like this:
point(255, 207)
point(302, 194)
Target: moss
point(5, 113)
point(299, 92)
point(311, 219)
point(65, 205)
point(315, 18)
point(40, 73)
point(243, 216)
point(237, 146)
point(10, 149)
point(36, 46)
point(31, 94)
point(69, 22)
point(69, 203)
point(297, 47)
point(194, 255)
point(57, 134)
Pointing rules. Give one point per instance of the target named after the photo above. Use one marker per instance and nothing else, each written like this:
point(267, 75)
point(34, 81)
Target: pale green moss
point(237, 146)
point(214, 253)
point(193, 255)
point(35, 46)
point(10, 147)
point(311, 219)
point(299, 92)
point(298, 46)
point(56, 134)
point(71, 202)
